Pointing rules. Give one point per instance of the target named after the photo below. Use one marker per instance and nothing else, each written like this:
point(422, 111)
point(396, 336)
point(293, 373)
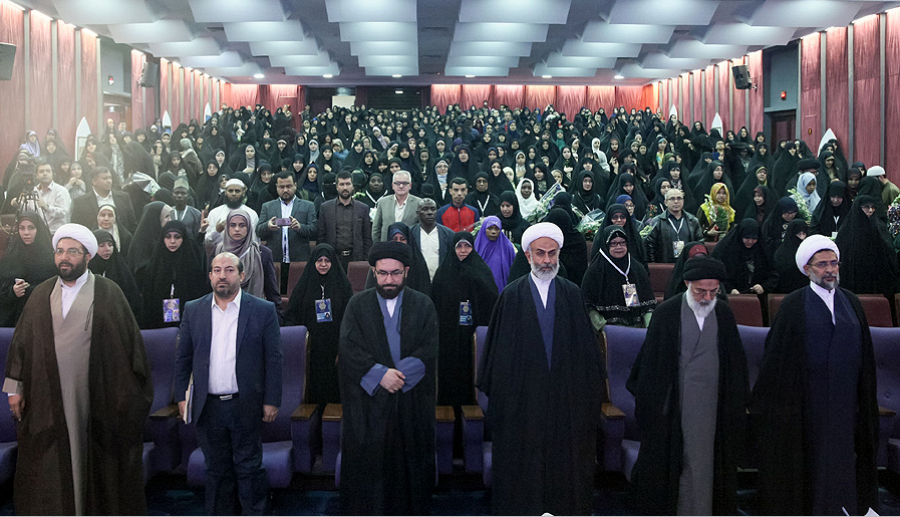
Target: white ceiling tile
point(288, 48)
point(378, 31)
point(488, 61)
point(202, 46)
point(478, 71)
point(672, 12)
point(332, 69)
point(698, 49)
point(291, 30)
point(382, 48)
point(515, 11)
point(805, 13)
point(633, 70)
point(516, 32)
point(556, 59)
point(371, 11)
point(585, 49)
point(602, 32)
point(102, 12)
point(162, 31)
point(660, 60)
point(226, 59)
point(392, 70)
point(219, 11)
point(322, 59)
point(372, 61)
point(743, 34)
point(247, 70)
point(490, 48)
point(559, 71)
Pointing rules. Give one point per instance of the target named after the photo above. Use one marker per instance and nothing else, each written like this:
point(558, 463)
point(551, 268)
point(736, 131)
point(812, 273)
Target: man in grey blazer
point(288, 242)
point(344, 223)
point(400, 207)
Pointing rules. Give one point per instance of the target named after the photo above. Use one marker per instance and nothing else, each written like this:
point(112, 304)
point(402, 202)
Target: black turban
point(390, 250)
point(704, 267)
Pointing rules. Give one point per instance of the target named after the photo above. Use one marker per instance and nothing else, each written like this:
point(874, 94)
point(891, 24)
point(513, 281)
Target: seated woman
point(716, 215)
point(616, 289)
point(496, 249)
point(28, 261)
point(789, 277)
point(746, 261)
point(109, 264)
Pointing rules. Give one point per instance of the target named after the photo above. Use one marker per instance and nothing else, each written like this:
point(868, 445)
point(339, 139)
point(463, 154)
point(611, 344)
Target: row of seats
point(357, 272)
point(749, 311)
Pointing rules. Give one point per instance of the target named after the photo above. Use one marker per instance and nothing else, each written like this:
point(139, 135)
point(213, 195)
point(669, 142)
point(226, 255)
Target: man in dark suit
point(86, 207)
point(230, 342)
point(344, 223)
point(434, 240)
point(289, 243)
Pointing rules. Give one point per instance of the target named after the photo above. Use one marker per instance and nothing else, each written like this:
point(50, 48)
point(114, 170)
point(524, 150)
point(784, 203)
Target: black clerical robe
point(780, 409)
point(387, 440)
point(543, 418)
point(654, 383)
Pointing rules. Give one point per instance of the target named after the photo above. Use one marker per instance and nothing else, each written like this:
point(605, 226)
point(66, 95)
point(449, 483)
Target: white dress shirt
point(391, 304)
point(826, 296)
point(543, 287)
point(108, 200)
point(286, 210)
point(59, 205)
point(223, 347)
point(431, 249)
point(70, 293)
point(399, 209)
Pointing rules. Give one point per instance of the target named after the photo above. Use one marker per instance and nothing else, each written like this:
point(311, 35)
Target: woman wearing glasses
point(28, 261)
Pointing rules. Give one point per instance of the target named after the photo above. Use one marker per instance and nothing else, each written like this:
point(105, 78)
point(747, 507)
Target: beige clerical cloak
point(86, 385)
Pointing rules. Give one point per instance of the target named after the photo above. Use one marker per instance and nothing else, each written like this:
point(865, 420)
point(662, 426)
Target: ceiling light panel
point(161, 31)
point(226, 11)
point(698, 49)
point(392, 70)
point(198, 47)
point(287, 48)
point(673, 12)
point(558, 71)
point(660, 60)
point(103, 12)
point(488, 61)
point(291, 30)
point(368, 61)
point(515, 11)
point(556, 59)
point(382, 48)
point(743, 34)
point(809, 13)
point(370, 11)
point(574, 47)
point(602, 32)
point(633, 70)
point(379, 31)
point(479, 71)
point(490, 48)
point(226, 59)
point(517, 32)
point(332, 69)
point(322, 59)
point(246, 70)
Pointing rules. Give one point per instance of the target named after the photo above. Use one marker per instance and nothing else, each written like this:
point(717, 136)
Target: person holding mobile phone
point(28, 261)
point(287, 224)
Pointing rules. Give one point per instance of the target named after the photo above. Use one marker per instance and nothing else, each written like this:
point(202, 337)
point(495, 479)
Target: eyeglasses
point(618, 244)
point(825, 264)
point(401, 183)
point(384, 274)
point(72, 252)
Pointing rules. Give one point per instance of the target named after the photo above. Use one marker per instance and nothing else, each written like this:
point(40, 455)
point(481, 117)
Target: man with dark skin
point(433, 239)
point(190, 216)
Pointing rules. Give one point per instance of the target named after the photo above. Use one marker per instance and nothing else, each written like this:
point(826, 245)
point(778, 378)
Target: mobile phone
point(283, 221)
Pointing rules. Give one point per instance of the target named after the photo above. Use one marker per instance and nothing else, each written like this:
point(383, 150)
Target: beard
point(234, 204)
point(226, 290)
point(702, 308)
point(829, 285)
point(545, 274)
point(390, 291)
point(75, 270)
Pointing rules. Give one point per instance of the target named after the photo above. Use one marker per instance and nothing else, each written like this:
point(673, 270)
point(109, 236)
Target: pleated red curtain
point(630, 97)
point(601, 97)
point(675, 84)
point(539, 96)
point(512, 95)
point(724, 87)
point(650, 96)
point(176, 94)
point(685, 107)
point(811, 90)
point(443, 95)
point(739, 114)
point(664, 95)
point(710, 86)
point(41, 70)
point(474, 94)
point(65, 39)
point(837, 97)
point(757, 98)
point(892, 94)
point(570, 100)
point(866, 90)
point(697, 114)
point(244, 95)
point(12, 30)
point(164, 71)
point(137, 99)
point(89, 103)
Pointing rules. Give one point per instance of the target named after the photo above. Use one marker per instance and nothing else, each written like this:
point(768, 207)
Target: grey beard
point(701, 310)
point(545, 275)
point(829, 286)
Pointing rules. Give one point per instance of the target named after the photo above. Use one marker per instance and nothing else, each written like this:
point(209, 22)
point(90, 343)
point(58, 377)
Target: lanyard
point(680, 224)
point(623, 273)
point(482, 207)
point(323, 291)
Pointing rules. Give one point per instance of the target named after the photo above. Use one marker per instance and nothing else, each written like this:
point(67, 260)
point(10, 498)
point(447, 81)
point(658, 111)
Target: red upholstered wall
point(724, 87)
point(837, 105)
point(539, 96)
point(601, 97)
point(710, 91)
point(474, 94)
point(41, 70)
point(65, 39)
point(138, 59)
point(811, 90)
point(650, 96)
point(739, 113)
point(757, 103)
point(866, 90)
point(697, 114)
point(443, 95)
point(570, 99)
point(12, 114)
point(164, 71)
point(892, 94)
point(508, 94)
point(89, 86)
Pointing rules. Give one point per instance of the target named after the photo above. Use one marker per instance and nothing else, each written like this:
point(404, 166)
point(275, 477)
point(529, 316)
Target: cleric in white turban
point(79, 384)
point(815, 397)
point(541, 356)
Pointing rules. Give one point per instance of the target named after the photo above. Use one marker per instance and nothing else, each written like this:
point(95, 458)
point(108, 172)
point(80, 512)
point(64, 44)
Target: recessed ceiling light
point(619, 76)
point(396, 76)
point(398, 92)
point(328, 76)
point(258, 76)
point(547, 76)
point(470, 76)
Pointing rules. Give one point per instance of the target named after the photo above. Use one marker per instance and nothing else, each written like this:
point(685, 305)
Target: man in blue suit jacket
point(231, 342)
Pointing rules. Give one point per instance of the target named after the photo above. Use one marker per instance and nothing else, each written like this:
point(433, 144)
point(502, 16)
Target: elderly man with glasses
point(401, 207)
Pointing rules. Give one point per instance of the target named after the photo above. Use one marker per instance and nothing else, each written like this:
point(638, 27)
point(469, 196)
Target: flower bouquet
point(803, 210)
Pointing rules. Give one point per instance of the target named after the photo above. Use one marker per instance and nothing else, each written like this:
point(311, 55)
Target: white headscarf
point(529, 204)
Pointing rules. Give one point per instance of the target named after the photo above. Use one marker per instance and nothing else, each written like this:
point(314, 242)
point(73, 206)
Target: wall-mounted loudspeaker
point(7, 60)
point(149, 75)
point(741, 77)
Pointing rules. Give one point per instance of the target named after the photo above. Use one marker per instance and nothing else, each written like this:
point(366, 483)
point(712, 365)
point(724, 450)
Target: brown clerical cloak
point(121, 393)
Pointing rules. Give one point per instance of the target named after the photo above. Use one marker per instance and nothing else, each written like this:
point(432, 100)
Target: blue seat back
point(480, 338)
point(754, 340)
point(293, 347)
point(160, 346)
point(7, 424)
point(622, 347)
point(886, 342)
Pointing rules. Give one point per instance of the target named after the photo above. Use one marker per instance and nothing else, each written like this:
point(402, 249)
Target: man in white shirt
point(434, 240)
point(214, 224)
point(55, 202)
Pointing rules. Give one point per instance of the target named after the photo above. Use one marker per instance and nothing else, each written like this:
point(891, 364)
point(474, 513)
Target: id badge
point(631, 296)
point(323, 310)
point(833, 235)
point(171, 311)
point(465, 313)
point(677, 248)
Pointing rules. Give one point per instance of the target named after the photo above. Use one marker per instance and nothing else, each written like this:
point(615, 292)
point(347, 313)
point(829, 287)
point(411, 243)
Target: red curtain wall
point(757, 103)
point(650, 96)
point(892, 93)
point(724, 87)
point(685, 97)
point(837, 97)
point(281, 94)
point(164, 71)
point(89, 104)
point(710, 91)
point(244, 95)
point(198, 104)
point(811, 90)
point(177, 94)
point(570, 99)
point(65, 39)
point(697, 114)
point(539, 96)
point(512, 95)
point(866, 90)
point(137, 99)
point(41, 86)
point(12, 30)
point(474, 94)
point(664, 95)
point(675, 88)
point(601, 97)
point(630, 97)
point(739, 115)
point(443, 95)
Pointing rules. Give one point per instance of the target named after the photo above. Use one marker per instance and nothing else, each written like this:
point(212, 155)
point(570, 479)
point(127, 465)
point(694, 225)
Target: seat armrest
point(472, 413)
point(883, 411)
point(333, 413)
point(444, 414)
point(473, 439)
point(611, 412)
point(303, 412)
point(170, 411)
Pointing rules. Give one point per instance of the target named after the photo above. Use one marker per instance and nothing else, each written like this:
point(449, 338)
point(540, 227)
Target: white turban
point(235, 181)
point(812, 245)
point(79, 233)
point(539, 230)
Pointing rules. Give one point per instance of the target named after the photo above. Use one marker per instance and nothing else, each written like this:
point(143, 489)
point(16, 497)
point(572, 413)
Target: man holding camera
point(287, 224)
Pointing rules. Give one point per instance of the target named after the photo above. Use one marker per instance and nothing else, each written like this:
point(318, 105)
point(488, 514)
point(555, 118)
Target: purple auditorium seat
point(754, 341)
point(162, 446)
point(747, 309)
point(287, 440)
point(619, 437)
point(477, 452)
point(9, 446)
point(886, 342)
